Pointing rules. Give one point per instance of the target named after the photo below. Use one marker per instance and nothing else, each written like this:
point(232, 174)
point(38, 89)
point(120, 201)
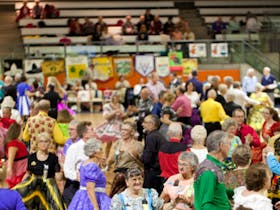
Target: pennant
point(162, 66)
point(123, 66)
point(52, 68)
point(76, 66)
point(103, 68)
point(144, 64)
point(175, 61)
point(189, 65)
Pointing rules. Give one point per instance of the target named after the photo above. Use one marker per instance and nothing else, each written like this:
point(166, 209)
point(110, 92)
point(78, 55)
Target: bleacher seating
point(238, 37)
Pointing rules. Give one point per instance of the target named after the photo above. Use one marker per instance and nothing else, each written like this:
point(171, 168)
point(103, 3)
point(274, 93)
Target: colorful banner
point(52, 68)
point(175, 61)
point(33, 68)
point(123, 66)
point(12, 67)
point(197, 50)
point(219, 50)
point(144, 64)
point(189, 65)
point(162, 66)
point(103, 68)
point(76, 66)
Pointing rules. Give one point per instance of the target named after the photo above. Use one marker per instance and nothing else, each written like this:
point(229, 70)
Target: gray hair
point(190, 157)
point(174, 130)
point(92, 146)
point(228, 123)
point(198, 134)
point(258, 86)
point(250, 70)
point(73, 123)
point(230, 97)
point(45, 136)
point(214, 140)
point(228, 79)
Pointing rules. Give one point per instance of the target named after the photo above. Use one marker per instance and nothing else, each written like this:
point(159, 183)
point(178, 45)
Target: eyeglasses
point(184, 164)
point(147, 121)
point(71, 129)
point(44, 141)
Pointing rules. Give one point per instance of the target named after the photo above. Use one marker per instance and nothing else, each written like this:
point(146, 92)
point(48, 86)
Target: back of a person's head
point(198, 134)
point(174, 130)
point(256, 177)
point(215, 139)
point(43, 105)
point(242, 155)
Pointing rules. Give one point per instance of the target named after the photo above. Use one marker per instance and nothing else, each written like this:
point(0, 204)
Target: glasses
point(145, 121)
point(184, 164)
point(71, 129)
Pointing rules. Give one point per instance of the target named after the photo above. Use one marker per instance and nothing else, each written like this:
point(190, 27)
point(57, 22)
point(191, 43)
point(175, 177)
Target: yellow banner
point(189, 65)
point(103, 68)
point(52, 68)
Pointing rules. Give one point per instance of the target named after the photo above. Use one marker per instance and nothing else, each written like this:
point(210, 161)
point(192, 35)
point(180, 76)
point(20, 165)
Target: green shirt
point(209, 187)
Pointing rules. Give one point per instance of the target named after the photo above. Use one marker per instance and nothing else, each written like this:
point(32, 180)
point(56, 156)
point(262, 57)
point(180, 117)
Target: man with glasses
point(153, 142)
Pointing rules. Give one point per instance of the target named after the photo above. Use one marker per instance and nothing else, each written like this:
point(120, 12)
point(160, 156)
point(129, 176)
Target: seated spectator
point(218, 27)
point(182, 24)
point(168, 26)
point(128, 28)
point(189, 34)
point(107, 37)
point(24, 11)
point(143, 33)
point(37, 10)
point(178, 190)
point(198, 136)
point(149, 17)
point(156, 26)
point(100, 23)
point(50, 11)
point(87, 27)
point(97, 33)
point(177, 35)
point(135, 195)
point(74, 27)
point(233, 26)
point(141, 22)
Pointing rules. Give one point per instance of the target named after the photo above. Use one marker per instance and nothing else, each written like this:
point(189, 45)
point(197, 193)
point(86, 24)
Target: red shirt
point(7, 122)
point(244, 130)
point(21, 152)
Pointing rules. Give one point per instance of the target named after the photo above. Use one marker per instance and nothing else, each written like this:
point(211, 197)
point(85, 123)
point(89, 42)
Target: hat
point(8, 102)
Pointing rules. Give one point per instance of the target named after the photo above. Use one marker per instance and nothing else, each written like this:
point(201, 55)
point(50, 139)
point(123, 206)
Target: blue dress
point(11, 199)
point(91, 173)
point(23, 102)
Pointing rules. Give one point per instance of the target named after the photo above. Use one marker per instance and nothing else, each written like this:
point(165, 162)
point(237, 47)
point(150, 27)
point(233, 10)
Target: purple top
point(92, 173)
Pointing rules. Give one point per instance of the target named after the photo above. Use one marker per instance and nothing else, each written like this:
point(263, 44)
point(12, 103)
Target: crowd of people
point(182, 145)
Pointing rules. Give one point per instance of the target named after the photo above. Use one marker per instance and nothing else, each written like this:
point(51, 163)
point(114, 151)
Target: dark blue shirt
point(268, 81)
point(157, 109)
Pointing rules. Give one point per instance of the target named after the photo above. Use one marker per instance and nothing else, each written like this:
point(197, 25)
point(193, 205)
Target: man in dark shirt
point(153, 141)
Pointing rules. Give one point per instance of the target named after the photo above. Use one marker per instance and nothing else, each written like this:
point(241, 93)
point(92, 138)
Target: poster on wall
point(53, 67)
point(33, 68)
point(162, 66)
point(189, 65)
point(123, 66)
point(76, 66)
point(103, 68)
point(11, 67)
point(175, 61)
point(197, 50)
point(144, 64)
point(219, 50)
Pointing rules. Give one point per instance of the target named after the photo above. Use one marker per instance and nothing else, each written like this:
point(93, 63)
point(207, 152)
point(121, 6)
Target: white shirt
point(254, 201)
point(242, 99)
point(200, 153)
point(74, 158)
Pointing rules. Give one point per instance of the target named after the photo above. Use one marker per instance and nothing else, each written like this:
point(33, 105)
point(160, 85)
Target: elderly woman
point(110, 130)
point(257, 179)
point(127, 154)
point(241, 157)
point(91, 194)
point(198, 136)
point(40, 188)
point(135, 196)
point(271, 123)
point(255, 117)
point(178, 189)
point(230, 126)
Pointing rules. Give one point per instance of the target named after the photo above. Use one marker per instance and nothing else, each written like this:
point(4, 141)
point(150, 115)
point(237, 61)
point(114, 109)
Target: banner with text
point(162, 66)
point(103, 68)
point(53, 67)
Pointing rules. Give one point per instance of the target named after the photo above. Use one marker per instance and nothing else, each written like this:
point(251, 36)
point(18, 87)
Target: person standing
point(249, 82)
point(209, 186)
point(74, 157)
point(269, 82)
point(212, 112)
point(153, 141)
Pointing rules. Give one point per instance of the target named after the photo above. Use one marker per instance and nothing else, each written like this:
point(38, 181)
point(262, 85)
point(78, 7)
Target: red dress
point(20, 162)
point(269, 131)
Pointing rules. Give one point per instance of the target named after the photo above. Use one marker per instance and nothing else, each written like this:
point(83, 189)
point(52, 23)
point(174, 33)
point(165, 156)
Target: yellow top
point(212, 111)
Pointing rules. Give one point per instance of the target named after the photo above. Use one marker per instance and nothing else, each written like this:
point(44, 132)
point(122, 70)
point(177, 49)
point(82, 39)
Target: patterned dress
point(110, 130)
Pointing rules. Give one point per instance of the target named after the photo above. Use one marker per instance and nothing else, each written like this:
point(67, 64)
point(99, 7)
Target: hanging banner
point(144, 64)
point(33, 68)
point(189, 65)
point(52, 68)
point(197, 50)
point(76, 66)
point(123, 66)
point(162, 66)
point(103, 68)
point(12, 67)
point(219, 50)
point(175, 61)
